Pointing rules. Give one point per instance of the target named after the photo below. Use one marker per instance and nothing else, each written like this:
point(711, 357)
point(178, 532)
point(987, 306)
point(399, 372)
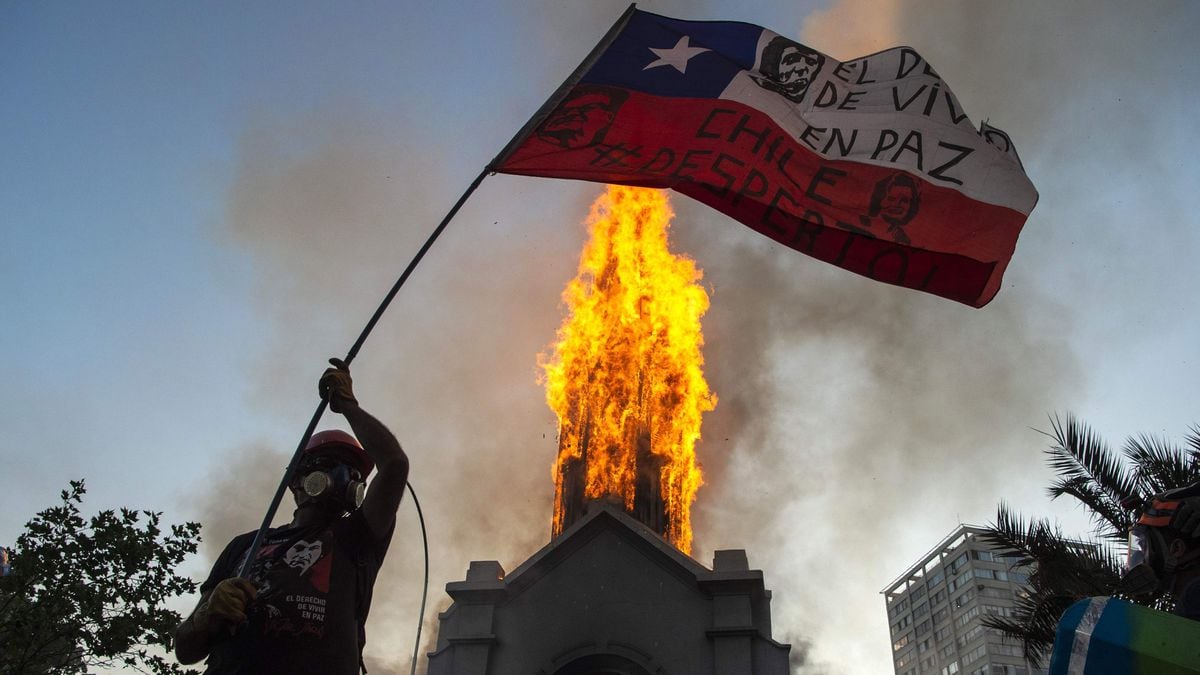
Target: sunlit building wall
point(936, 609)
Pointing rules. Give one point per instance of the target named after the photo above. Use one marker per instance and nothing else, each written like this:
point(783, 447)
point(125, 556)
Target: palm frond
point(1063, 571)
point(1011, 537)
point(1080, 454)
point(1193, 440)
point(1112, 520)
point(1159, 465)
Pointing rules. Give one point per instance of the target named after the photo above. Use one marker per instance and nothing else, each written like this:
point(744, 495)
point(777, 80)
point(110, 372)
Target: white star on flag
point(677, 56)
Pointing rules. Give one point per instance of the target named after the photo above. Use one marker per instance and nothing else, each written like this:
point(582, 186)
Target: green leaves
point(90, 593)
point(1111, 487)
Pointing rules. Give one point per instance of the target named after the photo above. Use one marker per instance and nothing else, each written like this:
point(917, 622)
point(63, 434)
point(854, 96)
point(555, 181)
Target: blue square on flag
point(670, 57)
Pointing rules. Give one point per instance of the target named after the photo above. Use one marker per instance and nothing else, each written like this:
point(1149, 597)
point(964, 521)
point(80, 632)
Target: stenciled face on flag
point(869, 164)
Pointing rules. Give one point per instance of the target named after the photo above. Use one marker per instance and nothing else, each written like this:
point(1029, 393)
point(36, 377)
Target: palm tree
point(1112, 487)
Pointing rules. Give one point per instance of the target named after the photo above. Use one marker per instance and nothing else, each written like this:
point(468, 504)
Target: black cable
point(425, 588)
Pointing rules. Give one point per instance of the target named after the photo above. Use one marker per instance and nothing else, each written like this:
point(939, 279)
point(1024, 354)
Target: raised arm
point(391, 464)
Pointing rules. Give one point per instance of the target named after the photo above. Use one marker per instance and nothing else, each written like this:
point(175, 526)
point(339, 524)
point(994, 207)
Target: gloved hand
point(1187, 517)
point(337, 387)
point(226, 605)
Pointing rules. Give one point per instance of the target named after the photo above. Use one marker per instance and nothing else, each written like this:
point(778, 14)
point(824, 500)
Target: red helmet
point(332, 440)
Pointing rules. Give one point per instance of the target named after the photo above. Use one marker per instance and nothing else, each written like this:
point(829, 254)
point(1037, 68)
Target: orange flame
point(626, 371)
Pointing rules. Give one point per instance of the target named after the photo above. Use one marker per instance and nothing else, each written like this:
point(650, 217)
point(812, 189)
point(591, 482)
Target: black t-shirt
point(314, 591)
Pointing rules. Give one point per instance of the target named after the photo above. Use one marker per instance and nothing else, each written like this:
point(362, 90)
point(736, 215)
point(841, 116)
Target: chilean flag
point(869, 164)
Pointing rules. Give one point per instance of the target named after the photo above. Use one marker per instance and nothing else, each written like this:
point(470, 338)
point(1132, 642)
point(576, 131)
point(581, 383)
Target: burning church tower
point(615, 591)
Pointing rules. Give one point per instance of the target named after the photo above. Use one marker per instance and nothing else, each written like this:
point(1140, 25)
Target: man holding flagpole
point(305, 603)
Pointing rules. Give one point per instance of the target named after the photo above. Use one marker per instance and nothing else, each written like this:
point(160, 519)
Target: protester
point(1164, 550)
point(305, 603)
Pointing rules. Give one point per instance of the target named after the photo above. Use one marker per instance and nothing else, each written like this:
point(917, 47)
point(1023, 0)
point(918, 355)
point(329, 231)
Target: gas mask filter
point(338, 484)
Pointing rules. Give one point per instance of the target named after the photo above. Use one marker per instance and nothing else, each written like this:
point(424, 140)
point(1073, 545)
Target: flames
point(625, 376)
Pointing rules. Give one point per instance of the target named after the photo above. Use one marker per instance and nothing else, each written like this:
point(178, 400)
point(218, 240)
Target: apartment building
point(936, 610)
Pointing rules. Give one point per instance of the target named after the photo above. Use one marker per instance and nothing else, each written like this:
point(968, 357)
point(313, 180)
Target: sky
point(203, 202)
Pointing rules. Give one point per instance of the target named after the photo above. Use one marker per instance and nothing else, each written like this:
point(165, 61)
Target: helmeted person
point(305, 603)
point(1164, 550)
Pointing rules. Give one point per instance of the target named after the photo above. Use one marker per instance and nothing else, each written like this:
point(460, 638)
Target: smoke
point(857, 423)
point(243, 486)
point(329, 213)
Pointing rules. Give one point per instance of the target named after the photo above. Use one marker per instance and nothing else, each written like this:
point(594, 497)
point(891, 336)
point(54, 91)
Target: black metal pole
point(563, 89)
point(520, 136)
point(288, 475)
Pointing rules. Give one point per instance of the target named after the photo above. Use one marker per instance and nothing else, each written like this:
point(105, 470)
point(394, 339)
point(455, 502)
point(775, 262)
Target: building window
point(899, 644)
point(974, 633)
point(999, 575)
point(941, 633)
point(993, 610)
point(965, 618)
point(975, 654)
point(950, 669)
point(936, 578)
point(1006, 650)
point(963, 599)
point(923, 627)
point(959, 581)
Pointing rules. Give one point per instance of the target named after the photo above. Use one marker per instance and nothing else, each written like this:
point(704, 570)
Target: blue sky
point(203, 202)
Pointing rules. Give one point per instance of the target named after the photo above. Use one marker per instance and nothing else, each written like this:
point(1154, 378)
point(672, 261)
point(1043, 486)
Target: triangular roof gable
point(602, 517)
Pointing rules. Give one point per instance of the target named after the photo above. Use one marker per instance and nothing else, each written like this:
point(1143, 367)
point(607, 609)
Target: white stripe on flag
point(1083, 635)
point(891, 109)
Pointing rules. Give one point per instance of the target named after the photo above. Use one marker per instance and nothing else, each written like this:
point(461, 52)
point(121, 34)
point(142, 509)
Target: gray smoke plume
point(857, 423)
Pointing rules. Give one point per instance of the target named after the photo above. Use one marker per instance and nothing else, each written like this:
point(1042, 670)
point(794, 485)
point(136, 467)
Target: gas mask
point(1153, 556)
point(1140, 574)
point(1151, 567)
point(334, 484)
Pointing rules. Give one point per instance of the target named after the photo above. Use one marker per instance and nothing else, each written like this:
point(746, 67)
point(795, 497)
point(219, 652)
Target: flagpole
point(293, 465)
point(512, 145)
point(563, 89)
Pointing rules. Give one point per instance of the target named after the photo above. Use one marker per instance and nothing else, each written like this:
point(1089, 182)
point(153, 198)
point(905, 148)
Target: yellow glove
point(225, 606)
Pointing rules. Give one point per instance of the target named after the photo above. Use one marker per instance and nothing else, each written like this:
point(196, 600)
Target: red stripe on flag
point(874, 220)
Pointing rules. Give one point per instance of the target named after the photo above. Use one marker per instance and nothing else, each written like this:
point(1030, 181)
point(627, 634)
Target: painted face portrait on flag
point(584, 118)
point(895, 200)
point(788, 68)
